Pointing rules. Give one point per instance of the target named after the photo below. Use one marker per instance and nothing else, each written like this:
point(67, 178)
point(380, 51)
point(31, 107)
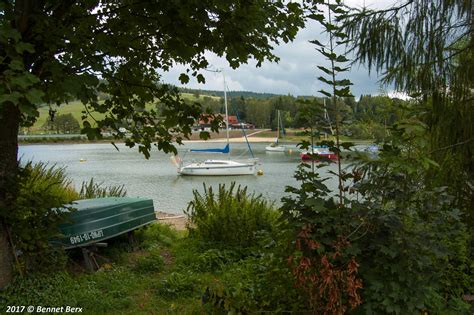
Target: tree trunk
point(9, 124)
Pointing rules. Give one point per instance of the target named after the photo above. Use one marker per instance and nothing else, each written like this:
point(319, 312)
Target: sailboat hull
point(218, 168)
point(277, 148)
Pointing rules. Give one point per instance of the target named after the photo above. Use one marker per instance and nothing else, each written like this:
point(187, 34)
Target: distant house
point(205, 122)
point(242, 125)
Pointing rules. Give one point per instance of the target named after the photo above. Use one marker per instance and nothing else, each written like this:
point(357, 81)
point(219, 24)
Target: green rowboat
point(103, 218)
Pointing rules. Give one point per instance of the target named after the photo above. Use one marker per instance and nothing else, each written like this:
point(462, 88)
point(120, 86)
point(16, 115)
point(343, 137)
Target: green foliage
point(253, 285)
point(419, 56)
point(229, 218)
point(421, 243)
point(153, 235)
point(38, 288)
point(41, 205)
point(153, 262)
point(65, 123)
point(71, 67)
point(193, 256)
point(39, 208)
point(213, 260)
point(430, 57)
point(408, 239)
point(92, 189)
point(178, 284)
point(101, 292)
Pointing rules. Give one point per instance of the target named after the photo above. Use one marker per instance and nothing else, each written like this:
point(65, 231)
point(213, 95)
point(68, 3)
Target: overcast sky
point(294, 74)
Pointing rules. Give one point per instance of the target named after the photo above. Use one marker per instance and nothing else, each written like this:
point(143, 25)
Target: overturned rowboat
point(100, 219)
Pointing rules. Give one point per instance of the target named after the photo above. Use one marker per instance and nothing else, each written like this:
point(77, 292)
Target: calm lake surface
point(157, 178)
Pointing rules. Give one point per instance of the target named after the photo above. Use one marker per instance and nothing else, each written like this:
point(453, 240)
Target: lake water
point(157, 178)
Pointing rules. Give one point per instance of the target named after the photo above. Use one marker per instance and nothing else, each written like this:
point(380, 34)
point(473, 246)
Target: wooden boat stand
point(91, 256)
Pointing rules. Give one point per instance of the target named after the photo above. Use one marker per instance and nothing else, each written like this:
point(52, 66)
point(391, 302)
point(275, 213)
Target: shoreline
point(177, 221)
point(213, 140)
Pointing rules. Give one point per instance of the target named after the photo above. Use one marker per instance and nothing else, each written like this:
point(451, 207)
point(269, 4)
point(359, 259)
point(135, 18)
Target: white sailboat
point(275, 147)
point(219, 167)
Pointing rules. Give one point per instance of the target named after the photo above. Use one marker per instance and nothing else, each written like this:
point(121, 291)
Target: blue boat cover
point(225, 150)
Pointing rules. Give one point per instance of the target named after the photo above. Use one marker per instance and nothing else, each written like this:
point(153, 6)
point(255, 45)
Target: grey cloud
point(296, 73)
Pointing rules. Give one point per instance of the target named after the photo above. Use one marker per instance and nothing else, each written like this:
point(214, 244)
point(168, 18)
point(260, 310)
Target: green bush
point(213, 260)
point(153, 235)
point(178, 284)
point(92, 189)
point(206, 260)
point(39, 289)
point(400, 247)
point(230, 218)
point(43, 192)
point(254, 285)
point(153, 262)
point(193, 255)
point(39, 208)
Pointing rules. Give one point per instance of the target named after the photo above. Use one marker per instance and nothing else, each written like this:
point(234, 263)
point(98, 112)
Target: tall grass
point(43, 190)
point(230, 217)
point(92, 189)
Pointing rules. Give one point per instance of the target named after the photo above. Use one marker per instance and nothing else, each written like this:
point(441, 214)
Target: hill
point(245, 94)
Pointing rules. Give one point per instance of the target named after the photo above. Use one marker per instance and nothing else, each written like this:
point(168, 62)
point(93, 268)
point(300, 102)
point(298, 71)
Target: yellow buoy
point(82, 160)
point(259, 172)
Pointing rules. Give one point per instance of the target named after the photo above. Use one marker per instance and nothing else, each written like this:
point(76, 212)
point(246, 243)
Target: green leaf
point(323, 79)
point(342, 58)
point(14, 97)
point(200, 78)
point(347, 145)
point(326, 70)
point(22, 47)
point(25, 80)
point(343, 82)
point(16, 65)
point(316, 42)
point(330, 56)
point(339, 69)
point(28, 109)
point(184, 78)
point(204, 135)
point(316, 17)
point(344, 92)
point(325, 93)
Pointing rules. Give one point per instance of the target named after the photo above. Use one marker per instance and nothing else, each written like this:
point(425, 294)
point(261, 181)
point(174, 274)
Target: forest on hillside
point(370, 117)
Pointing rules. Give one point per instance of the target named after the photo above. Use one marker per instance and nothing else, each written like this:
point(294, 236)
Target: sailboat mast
point(278, 125)
point(226, 111)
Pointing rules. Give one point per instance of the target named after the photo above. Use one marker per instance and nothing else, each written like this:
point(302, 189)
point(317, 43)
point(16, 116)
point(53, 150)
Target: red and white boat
point(318, 151)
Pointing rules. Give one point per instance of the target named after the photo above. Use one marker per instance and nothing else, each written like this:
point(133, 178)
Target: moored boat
point(318, 151)
point(100, 219)
point(275, 146)
point(219, 168)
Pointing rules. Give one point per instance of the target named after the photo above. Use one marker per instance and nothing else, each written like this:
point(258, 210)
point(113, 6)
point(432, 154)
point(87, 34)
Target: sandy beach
point(178, 221)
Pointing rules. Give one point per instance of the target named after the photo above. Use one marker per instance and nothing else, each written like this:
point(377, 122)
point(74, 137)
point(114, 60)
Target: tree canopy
point(426, 49)
point(53, 51)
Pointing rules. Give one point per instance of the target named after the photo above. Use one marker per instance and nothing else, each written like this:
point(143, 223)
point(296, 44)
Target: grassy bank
point(150, 280)
point(239, 255)
point(75, 108)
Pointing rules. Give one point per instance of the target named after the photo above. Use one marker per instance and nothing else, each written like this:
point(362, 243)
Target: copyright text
point(42, 309)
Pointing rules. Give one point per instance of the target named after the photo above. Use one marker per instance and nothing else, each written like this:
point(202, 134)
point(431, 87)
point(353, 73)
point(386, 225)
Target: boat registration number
point(84, 237)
